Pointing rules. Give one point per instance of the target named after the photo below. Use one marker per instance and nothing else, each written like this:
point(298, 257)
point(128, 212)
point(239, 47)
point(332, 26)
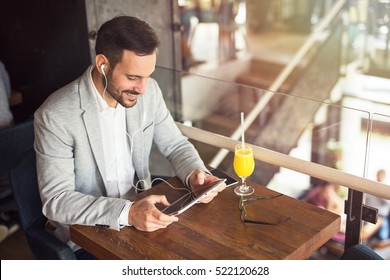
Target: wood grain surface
point(215, 230)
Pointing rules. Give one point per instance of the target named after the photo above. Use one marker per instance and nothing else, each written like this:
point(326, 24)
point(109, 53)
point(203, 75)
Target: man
point(94, 137)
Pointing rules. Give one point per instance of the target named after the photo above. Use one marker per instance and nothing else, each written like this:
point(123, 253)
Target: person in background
point(8, 225)
point(325, 195)
point(93, 139)
point(383, 206)
point(6, 118)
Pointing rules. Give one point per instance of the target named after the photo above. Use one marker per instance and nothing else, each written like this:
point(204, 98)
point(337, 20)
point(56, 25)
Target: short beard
point(111, 90)
point(119, 98)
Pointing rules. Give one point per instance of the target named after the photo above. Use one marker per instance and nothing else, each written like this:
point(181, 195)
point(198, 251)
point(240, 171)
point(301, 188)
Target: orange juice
point(243, 163)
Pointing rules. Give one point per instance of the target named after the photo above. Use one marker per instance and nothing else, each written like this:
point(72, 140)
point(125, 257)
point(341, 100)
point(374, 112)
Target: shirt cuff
point(124, 216)
point(188, 179)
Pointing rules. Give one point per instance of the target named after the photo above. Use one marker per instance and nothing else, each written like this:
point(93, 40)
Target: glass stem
point(244, 187)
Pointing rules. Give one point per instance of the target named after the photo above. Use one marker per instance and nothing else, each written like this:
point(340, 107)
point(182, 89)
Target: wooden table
point(215, 230)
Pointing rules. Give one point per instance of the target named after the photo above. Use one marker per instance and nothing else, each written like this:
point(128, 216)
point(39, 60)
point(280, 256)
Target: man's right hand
point(145, 216)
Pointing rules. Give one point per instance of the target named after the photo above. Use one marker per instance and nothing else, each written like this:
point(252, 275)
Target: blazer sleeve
point(172, 143)
point(65, 198)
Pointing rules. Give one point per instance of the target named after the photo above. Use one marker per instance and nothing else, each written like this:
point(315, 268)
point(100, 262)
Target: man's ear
point(101, 63)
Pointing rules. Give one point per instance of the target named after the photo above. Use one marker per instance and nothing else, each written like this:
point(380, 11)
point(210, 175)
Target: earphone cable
point(105, 87)
point(161, 179)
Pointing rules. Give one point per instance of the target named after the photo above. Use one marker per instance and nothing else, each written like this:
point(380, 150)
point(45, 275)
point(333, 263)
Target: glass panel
point(378, 168)
point(379, 153)
point(328, 134)
point(372, 94)
point(219, 31)
point(310, 128)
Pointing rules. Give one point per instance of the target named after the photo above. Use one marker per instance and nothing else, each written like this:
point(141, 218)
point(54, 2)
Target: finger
point(160, 220)
point(144, 215)
point(154, 227)
point(149, 227)
point(212, 180)
point(221, 188)
point(207, 199)
point(199, 177)
point(155, 220)
point(157, 199)
point(164, 200)
point(210, 196)
point(154, 215)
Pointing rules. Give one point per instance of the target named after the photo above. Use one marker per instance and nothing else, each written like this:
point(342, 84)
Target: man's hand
point(198, 179)
point(145, 216)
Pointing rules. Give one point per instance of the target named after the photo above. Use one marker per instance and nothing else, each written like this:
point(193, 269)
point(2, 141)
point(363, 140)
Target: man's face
point(129, 77)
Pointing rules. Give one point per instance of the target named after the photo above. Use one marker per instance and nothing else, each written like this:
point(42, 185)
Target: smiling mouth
point(132, 96)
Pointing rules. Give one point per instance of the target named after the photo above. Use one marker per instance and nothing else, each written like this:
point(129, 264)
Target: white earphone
point(102, 68)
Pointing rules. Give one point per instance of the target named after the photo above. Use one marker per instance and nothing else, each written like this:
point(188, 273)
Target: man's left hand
point(199, 179)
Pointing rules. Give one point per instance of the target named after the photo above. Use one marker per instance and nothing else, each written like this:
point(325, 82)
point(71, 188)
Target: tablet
point(230, 181)
point(190, 198)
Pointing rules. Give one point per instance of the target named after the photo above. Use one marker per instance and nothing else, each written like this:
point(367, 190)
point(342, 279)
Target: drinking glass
point(244, 164)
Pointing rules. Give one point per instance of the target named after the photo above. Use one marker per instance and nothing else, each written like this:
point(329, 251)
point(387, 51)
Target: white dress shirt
point(117, 155)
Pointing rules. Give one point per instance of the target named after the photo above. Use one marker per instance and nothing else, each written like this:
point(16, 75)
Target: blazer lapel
point(91, 120)
point(92, 127)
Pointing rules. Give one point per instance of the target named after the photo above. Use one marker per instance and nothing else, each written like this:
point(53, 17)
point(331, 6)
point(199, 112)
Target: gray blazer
point(70, 159)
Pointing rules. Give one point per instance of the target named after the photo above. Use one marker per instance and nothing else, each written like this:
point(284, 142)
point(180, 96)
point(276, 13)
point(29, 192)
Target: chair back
point(26, 192)
point(14, 142)
point(360, 252)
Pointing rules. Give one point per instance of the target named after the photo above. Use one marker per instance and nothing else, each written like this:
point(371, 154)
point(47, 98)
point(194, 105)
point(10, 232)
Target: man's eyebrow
point(136, 76)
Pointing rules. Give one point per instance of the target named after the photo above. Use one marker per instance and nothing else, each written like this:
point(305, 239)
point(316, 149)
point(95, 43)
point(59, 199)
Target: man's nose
point(140, 86)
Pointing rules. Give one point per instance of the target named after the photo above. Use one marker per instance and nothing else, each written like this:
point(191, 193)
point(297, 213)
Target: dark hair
point(125, 33)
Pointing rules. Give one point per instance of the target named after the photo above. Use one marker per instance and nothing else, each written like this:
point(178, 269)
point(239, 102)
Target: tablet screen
point(190, 198)
point(230, 181)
